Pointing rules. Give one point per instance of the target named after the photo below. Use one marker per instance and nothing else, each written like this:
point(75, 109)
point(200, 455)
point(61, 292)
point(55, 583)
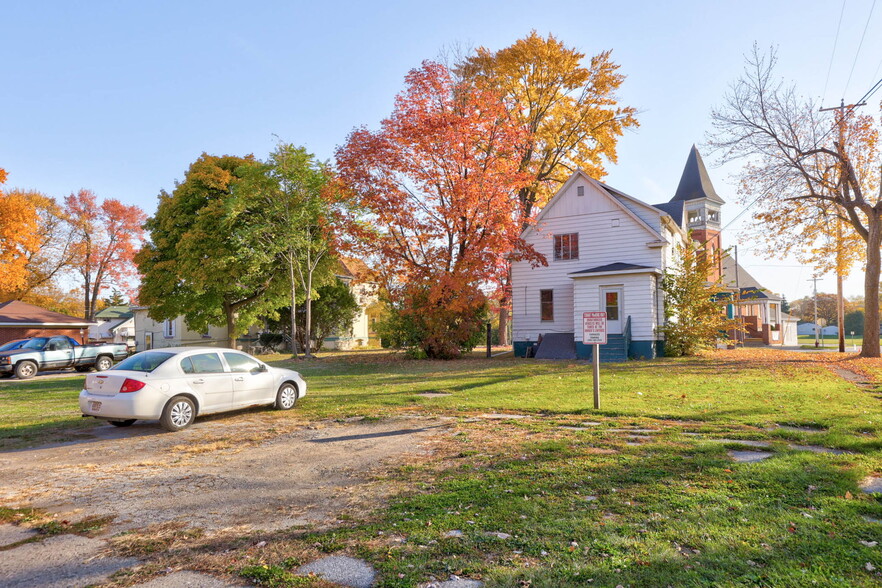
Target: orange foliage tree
point(437, 180)
point(107, 236)
point(19, 233)
point(569, 108)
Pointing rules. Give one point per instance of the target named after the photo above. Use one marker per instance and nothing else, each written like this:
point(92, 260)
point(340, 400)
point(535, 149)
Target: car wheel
point(178, 414)
point(125, 423)
point(25, 370)
point(286, 397)
point(103, 364)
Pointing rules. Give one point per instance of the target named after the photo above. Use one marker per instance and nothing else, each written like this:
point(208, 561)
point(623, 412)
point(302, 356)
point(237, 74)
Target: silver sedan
point(175, 385)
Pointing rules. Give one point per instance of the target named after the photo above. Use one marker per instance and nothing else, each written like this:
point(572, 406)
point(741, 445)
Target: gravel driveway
point(256, 470)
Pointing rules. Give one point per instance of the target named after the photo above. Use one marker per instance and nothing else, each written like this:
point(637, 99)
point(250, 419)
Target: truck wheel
point(103, 364)
point(178, 414)
point(25, 369)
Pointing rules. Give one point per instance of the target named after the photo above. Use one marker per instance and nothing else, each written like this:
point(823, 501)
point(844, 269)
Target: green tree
point(200, 261)
point(694, 316)
point(295, 225)
point(333, 311)
point(854, 322)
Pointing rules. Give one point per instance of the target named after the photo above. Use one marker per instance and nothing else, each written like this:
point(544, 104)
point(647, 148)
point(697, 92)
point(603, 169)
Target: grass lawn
point(526, 502)
point(831, 341)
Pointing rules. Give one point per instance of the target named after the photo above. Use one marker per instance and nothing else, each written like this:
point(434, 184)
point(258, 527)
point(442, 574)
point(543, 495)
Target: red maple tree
point(107, 237)
point(438, 180)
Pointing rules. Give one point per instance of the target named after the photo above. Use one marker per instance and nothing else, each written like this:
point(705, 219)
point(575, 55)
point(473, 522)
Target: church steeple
point(702, 206)
point(695, 182)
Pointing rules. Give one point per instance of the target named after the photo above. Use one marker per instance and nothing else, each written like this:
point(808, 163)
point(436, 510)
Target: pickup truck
point(60, 352)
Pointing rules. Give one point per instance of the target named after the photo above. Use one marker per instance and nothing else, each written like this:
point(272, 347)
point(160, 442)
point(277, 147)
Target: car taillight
point(131, 385)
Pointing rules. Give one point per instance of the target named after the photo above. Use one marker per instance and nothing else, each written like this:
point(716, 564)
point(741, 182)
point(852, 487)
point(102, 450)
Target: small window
point(566, 246)
point(612, 306)
point(695, 217)
point(203, 363)
point(713, 216)
point(168, 329)
point(546, 305)
point(580, 190)
point(241, 363)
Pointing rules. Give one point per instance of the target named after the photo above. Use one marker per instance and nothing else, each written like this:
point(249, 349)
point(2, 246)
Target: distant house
point(758, 309)
point(115, 324)
point(151, 334)
point(355, 274)
point(607, 251)
point(20, 320)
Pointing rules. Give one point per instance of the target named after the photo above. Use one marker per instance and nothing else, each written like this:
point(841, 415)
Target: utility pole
point(815, 280)
point(840, 260)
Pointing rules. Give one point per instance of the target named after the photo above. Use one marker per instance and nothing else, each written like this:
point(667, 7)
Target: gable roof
point(749, 287)
point(114, 312)
point(610, 193)
point(18, 313)
point(695, 181)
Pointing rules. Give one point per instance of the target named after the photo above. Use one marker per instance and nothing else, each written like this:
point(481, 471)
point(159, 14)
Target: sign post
point(594, 333)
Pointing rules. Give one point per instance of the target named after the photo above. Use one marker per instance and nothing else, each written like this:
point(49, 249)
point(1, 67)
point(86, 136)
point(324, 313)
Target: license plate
point(95, 406)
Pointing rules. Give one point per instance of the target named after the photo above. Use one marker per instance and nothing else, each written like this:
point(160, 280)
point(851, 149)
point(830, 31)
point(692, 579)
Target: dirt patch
point(250, 471)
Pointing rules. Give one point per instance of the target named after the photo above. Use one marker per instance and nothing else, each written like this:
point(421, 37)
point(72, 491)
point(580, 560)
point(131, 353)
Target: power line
point(835, 42)
point(861, 44)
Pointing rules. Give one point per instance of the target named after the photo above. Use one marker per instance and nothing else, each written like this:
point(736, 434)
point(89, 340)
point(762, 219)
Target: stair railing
point(626, 334)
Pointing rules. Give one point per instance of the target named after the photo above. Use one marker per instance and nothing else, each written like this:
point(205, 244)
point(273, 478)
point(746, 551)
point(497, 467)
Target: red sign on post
point(594, 328)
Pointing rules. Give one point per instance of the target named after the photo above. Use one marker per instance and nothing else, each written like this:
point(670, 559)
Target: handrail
point(626, 333)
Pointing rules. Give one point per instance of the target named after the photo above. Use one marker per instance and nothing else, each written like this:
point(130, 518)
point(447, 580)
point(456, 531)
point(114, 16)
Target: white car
point(175, 385)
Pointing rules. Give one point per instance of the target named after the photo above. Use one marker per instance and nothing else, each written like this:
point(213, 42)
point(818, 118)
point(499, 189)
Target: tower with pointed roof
point(701, 204)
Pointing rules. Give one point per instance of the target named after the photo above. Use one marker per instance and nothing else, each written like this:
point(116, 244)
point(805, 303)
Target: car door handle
point(199, 381)
point(239, 379)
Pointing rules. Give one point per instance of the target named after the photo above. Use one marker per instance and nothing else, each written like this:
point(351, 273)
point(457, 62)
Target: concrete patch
point(500, 417)
point(65, 561)
point(346, 571)
point(749, 456)
point(10, 534)
point(872, 485)
point(187, 580)
point(745, 442)
point(434, 394)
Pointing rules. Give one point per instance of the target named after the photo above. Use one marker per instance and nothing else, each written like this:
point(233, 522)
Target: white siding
point(182, 335)
point(593, 217)
point(638, 301)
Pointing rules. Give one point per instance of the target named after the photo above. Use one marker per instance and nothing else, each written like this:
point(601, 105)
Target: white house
point(114, 324)
point(606, 251)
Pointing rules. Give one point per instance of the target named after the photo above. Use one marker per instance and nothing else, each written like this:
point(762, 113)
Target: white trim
point(577, 275)
point(602, 189)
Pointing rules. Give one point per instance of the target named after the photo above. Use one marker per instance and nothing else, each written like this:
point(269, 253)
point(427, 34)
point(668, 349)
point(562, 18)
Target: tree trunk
point(231, 324)
point(87, 313)
point(870, 346)
point(308, 346)
point(293, 307)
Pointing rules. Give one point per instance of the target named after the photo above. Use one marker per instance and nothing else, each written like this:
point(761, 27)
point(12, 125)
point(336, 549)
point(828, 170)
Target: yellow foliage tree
point(19, 233)
point(569, 109)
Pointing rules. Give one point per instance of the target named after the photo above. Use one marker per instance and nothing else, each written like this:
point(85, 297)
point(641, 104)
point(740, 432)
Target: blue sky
point(120, 97)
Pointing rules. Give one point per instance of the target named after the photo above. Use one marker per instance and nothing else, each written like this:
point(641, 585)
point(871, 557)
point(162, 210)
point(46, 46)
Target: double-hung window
point(566, 246)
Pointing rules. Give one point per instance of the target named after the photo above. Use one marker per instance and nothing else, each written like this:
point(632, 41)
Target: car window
point(61, 343)
point(204, 363)
point(12, 345)
point(35, 343)
point(146, 361)
point(241, 363)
